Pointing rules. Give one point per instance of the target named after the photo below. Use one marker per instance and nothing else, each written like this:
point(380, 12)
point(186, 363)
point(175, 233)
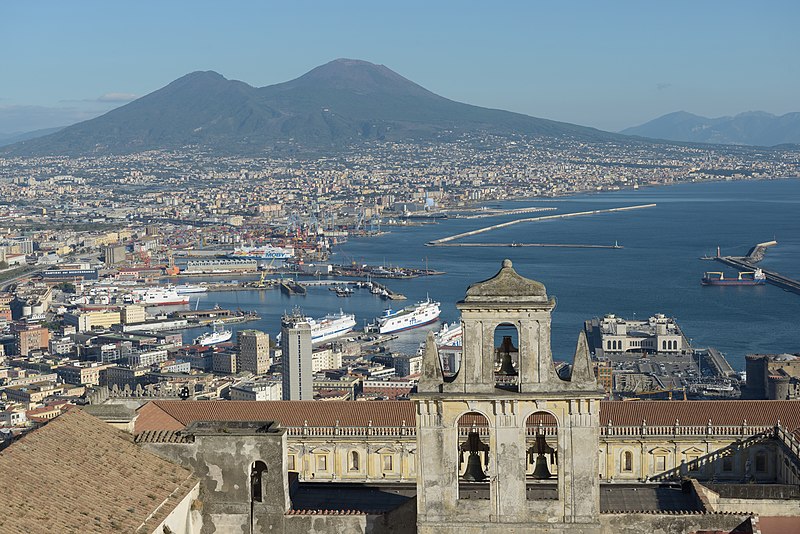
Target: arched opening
point(506, 356)
point(256, 474)
point(354, 461)
point(473, 456)
point(541, 456)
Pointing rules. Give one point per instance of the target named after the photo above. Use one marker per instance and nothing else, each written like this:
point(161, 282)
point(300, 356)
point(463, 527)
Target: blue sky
point(603, 64)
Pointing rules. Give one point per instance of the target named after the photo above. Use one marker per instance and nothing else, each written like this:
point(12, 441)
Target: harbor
point(748, 263)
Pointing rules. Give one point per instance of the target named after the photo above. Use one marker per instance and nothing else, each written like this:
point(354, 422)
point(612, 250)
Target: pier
point(748, 263)
point(556, 245)
point(448, 239)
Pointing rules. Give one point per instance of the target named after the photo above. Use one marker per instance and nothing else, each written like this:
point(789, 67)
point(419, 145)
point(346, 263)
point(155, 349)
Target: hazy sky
point(608, 64)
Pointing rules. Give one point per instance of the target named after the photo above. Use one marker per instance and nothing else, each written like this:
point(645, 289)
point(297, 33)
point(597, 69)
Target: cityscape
point(326, 305)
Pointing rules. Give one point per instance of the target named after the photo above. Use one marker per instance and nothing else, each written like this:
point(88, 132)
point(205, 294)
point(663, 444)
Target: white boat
point(185, 289)
point(331, 326)
point(450, 336)
point(158, 296)
point(219, 334)
point(413, 316)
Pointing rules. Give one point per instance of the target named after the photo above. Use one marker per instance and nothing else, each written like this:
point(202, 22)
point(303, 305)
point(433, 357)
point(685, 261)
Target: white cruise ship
point(331, 326)
point(419, 314)
point(450, 336)
point(158, 296)
point(219, 334)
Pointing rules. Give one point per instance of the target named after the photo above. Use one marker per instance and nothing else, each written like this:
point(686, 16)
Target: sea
point(657, 269)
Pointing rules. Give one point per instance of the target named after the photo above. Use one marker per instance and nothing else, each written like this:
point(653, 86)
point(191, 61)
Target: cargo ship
point(746, 278)
point(265, 252)
point(414, 316)
point(219, 334)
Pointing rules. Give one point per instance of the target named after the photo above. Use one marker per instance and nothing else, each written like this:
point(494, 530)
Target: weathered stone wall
point(668, 523)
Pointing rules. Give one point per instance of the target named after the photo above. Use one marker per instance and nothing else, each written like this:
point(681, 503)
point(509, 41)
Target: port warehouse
point(220, 265)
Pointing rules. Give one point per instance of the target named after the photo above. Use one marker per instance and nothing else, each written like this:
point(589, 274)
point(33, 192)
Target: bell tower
point(505, 443)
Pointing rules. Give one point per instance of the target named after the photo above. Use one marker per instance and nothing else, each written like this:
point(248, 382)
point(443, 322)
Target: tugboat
point(746, 278)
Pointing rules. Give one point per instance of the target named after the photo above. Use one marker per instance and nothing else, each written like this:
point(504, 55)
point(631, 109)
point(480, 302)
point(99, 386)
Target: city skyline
point(608, 67)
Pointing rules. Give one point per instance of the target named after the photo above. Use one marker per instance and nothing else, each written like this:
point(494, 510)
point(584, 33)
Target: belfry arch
point(529, 412)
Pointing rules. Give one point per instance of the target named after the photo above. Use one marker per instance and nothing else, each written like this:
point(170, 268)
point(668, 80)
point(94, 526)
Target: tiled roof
point(79, 475)
point(622, 413)
point(176, 415)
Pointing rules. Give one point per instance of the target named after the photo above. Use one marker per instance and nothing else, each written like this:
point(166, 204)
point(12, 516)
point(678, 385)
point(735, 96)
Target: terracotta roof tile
point(103, 482)
point(622, 413)
point(176, 415)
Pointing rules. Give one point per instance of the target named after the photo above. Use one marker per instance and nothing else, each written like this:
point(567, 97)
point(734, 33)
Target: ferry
point(157, 296)
point(265, 252)
point(331, 326)
point(413, 316)
point(450, 336)
point(747, 278)
point(218, 334)
point(185, 289)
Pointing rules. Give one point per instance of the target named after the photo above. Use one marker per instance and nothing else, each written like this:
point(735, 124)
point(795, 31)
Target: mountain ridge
point(332, 106)
point(752, 128)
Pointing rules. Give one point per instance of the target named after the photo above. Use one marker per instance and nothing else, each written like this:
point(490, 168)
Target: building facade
point(253, 351)
point(296, 368)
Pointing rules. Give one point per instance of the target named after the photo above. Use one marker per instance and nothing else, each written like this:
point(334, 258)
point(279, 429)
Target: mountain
point(751, 128)
point(11, 138)
point(332, 106)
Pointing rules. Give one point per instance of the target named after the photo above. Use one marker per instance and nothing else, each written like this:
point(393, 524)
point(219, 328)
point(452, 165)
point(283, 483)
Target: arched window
point(473, 454)
point(256, 472)
point(608, 345)
point(506, 341)
point(354, 461)
point(627, 461)
point(663, 345)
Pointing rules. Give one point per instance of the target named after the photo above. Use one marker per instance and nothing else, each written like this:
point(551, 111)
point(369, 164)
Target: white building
point(265, 389)
point(657, 334)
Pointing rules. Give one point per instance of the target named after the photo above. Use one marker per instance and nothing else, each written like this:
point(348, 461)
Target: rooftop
point(79, 475)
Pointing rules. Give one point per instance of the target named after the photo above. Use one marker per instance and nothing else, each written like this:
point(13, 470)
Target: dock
point(439, 242)
point(748, 263)
point(556, 245)
point(290, 288)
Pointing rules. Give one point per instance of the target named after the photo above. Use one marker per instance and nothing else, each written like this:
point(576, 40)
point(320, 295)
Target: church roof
point(176, 415)
point(507, 284)
point(78, 474)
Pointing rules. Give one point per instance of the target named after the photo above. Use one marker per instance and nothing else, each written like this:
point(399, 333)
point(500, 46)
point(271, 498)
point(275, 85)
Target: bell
point(474, 471)
point(541, 472)
point(506, 367)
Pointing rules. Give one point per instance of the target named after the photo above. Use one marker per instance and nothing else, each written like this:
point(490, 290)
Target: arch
point(473, 448)
point(506, 355)
point(354, 461)
point(257, 470)
point(541, 433)
point(626, 462)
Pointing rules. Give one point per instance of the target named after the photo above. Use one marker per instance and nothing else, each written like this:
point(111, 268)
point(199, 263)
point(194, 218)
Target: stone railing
point(352, 431)
point(661, 431)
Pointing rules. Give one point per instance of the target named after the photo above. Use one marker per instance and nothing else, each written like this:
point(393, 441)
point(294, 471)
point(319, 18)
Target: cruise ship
point(450, 336)
point(265, 252)
point(416, 315)
point(219, 334)
point(158, 296)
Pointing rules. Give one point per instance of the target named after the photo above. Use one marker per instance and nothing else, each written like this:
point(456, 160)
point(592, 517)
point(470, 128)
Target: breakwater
point(448, 239)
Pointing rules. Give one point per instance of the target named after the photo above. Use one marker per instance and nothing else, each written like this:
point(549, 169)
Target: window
point(727, 464)
point(627, 461)
point(661, 463)
point(322, 462)
point(692, 462)
point(761, 462)
point(354, 461)
point(290, 462)
point(388, 462)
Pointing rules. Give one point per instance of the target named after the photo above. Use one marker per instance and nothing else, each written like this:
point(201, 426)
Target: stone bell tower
point(505, 444)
